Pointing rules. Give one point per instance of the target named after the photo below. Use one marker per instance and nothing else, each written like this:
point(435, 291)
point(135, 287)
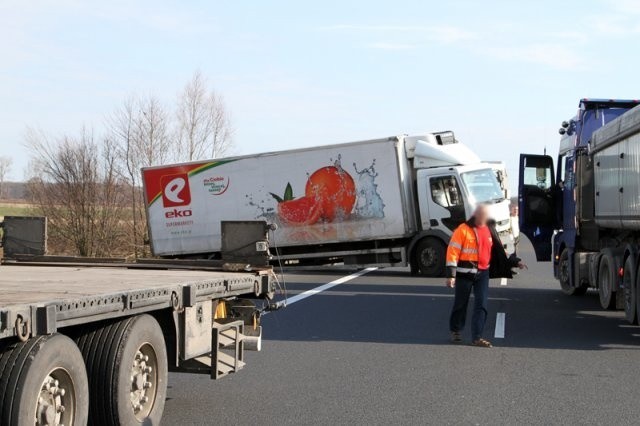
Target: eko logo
point(175, 190)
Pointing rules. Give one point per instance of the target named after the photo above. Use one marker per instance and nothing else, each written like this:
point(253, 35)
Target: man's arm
point(453, 253)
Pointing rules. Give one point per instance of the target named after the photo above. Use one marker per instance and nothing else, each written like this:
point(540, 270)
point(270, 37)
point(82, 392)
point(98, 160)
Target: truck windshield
point(483, 186)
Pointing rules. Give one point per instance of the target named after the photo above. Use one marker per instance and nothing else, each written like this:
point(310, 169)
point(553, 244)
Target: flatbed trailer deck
point(86, 342)
point(78, 293)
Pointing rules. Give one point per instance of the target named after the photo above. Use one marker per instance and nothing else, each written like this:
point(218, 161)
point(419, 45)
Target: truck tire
point(127, 366)
point(46, 377)
point(564, 279)
point(637, 294)
point(629, 289)
point(606, 280)
point(429, 255)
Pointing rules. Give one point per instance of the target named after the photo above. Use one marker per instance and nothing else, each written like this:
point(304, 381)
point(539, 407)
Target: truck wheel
point(563, 277)
point(127, 365)
point(637, 295)
point(430, 257)
point(606, 280)
point(44, 381)
point(629, 289)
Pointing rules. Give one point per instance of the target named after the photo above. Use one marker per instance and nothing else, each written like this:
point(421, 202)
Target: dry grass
point(16, 209)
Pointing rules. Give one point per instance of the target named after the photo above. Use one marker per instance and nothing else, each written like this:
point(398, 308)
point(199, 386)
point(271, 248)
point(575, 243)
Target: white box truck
point(389, 201)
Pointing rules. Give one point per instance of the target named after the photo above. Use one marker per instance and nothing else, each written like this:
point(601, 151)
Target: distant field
point(15, 209)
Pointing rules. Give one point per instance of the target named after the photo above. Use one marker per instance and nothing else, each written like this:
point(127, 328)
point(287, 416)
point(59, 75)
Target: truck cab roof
point(593, 113)
point(438, 150)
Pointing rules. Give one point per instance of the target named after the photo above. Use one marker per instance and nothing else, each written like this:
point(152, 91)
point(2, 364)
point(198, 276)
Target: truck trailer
point(91, 341)
point(392, 201)
point(587, 219)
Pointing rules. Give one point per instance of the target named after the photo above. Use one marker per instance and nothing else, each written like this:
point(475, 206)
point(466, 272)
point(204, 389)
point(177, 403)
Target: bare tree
point(5, 169)
point(203, 122)
point(77, 188)
point(139, 133)
point(152, 142)
point(82, 186)
point(122, 135)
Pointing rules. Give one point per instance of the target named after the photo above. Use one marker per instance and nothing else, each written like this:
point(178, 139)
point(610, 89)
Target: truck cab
point(555, 202)
point(450, 183)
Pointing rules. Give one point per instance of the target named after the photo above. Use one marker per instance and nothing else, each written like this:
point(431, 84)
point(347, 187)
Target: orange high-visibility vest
point(462, 253)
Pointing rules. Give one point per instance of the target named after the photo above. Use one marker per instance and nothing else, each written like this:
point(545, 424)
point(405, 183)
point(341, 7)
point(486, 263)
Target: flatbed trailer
point(92, 341)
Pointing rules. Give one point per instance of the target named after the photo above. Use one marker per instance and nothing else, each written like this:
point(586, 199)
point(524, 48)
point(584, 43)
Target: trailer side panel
point(339, 193)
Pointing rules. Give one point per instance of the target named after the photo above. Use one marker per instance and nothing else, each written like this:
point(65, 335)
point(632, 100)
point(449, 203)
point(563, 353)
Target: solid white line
point(500, 321)
point(319, 289)
point(503, 281)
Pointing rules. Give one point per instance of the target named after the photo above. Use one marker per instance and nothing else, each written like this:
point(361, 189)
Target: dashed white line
point(503, 281)
point(327, 286)
point(500, 322)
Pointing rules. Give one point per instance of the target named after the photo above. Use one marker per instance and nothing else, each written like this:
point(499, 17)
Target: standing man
point(474, 255)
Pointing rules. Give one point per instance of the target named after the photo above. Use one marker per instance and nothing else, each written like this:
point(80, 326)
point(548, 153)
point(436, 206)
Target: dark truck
point(92, 340)
point(587, 219)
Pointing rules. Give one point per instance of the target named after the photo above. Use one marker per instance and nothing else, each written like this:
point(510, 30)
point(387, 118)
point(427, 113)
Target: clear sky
point(501, 74)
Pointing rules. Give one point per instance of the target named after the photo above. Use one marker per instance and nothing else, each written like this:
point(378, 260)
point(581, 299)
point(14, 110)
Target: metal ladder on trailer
point(227, 350)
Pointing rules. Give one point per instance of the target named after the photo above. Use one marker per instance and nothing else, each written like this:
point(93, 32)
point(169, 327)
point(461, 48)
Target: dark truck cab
point(557, 205)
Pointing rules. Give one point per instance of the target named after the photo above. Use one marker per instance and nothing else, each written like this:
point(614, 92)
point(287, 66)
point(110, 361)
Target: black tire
point(563, 274)
point(46, 376)
point(637, 294)
point(606, 280)
point(111, 354)
point(564, 279)
point(629, 289)
point(429, 256)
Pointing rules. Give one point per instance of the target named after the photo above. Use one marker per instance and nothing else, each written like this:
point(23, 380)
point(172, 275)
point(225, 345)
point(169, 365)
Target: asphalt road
point(376, 350)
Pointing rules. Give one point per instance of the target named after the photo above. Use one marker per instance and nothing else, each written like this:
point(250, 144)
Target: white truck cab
point(451, 181)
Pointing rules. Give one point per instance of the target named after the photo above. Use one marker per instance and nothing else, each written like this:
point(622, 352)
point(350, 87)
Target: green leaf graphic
point(288, 193)
point(276, 197)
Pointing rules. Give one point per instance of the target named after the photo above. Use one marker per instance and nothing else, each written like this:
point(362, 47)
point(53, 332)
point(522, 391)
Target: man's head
point(481, 215)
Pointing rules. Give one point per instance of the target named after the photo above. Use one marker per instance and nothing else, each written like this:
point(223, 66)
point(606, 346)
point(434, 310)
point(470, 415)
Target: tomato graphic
point(330, 194)
point(303, 211)
point(335, 191)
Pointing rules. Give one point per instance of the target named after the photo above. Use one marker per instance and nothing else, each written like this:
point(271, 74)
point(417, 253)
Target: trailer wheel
point(44, 381)
point(629, 288)
point(430, 257)
point(127, 364)
point(606, 280)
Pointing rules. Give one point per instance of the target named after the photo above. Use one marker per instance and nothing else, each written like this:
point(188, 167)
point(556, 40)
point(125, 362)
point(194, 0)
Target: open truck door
point(537, 202)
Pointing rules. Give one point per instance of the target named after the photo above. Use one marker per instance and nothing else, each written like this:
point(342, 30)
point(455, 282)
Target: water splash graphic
point(369, 203)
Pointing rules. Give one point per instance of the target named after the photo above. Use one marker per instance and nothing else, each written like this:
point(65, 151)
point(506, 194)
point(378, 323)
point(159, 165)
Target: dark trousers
point(479, 283)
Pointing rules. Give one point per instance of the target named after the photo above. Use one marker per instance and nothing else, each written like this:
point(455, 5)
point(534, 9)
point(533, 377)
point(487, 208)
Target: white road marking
point(503, 281)
point(327, 286)
point(500, 322)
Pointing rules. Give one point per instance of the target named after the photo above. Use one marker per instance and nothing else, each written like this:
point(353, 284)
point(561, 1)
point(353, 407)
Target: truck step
point(226, 362)
point(226, 338)
point(227, 349)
